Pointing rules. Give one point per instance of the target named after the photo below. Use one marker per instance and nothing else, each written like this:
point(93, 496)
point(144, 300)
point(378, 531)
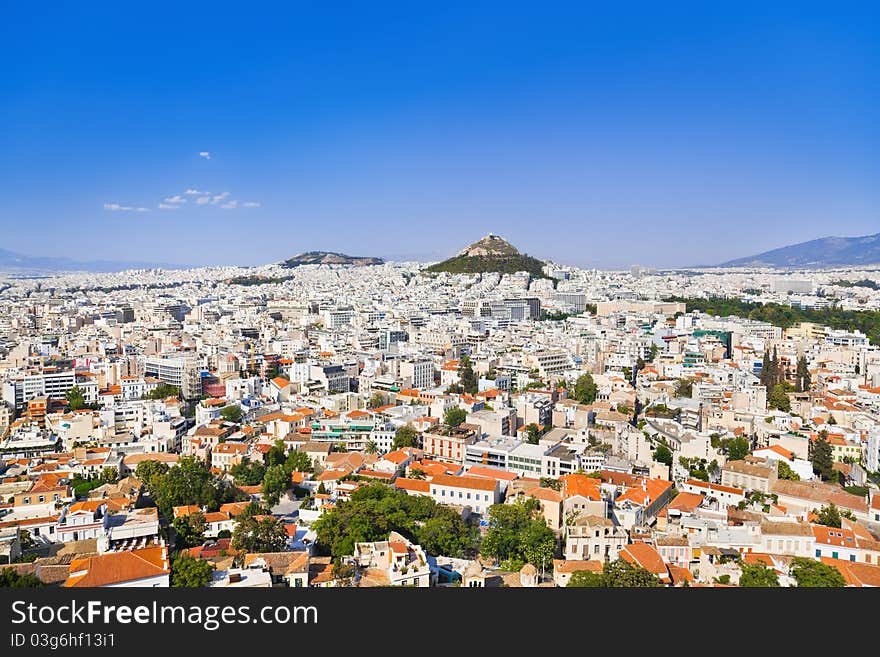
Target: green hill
point(490, 254)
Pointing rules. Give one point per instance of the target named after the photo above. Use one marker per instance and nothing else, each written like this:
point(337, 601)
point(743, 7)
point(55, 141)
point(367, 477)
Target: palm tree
point(371, 448)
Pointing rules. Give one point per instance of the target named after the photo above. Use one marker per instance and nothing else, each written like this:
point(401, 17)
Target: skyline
point(590, 138)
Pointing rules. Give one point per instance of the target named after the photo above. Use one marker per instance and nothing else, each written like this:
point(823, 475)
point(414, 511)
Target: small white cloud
point(203, 200)
point(218, 198)
point(251, 204)
point(195, 192)
point(205, 154)
point(116, 207)
point(167, 206)
point(175, 199)
point(231, 205)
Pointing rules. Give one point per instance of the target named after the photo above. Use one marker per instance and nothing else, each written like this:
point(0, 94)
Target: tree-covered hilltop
point(502, 264)
point(866, 321)
point(490, 254)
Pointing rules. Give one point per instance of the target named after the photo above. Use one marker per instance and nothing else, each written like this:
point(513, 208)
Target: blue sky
point(653, 133)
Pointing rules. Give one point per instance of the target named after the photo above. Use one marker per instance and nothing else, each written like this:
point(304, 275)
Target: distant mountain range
point(490, 254)
point(16, 262)
point(329, 258)
point(822, 252)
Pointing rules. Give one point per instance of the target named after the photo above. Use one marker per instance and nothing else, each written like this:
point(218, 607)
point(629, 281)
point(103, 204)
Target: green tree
point(829, 516)
point(538, 543)
point(684, 388)
point(109, 476)
point(231, 413)
point(190, 482)
point(518, 531)
point(150, 471)
point(815, 574)
point(446, 533)
point(802, 375)
point(737, 448)
point(163, 391)
point(9, 579)
point(454, 416)
point(821, 455)
point(377, 399)
point(264, 534)
point(27, 540)
point(75, 398)
point(550, 482)
point(585, 389)
point(371, 448)
point(533, 433)
point(785, 472)
point(189, 530)
point(405, 436)
point(758, 576)
point(375, 510)
point(466, 376)
point(586, 579)
point(248, 473)
point(275, 483)
point(188, 572)
point(622, 574)
point(778, 398)
point(299, 461)
point(277, 454)
point(663, 455)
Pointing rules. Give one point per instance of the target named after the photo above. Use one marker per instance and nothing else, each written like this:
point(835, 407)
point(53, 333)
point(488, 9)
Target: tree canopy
point(586, 579)
point(231, 413)
point(12, 580)
point(375, 510)
point(585, 389)
point(255, 533)
point(190, 482)
point(467, 379)
point(454, 416)
point(815, 574)
point(663, 455)
point(778, 398)
point(758, 576)
point(518, 531)
point(248, 473)
point(406, 436)
point(821, 455)
point(189, 530)
point(189, 572)
point(275, 482)
point(737, 448)
point(75, 398)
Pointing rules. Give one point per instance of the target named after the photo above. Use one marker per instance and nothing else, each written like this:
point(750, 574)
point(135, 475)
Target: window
point(834, 555)
point(818, 552)
point(852, 557)
point(596, 549)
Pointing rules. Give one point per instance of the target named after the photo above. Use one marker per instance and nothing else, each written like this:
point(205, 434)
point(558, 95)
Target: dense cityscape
point(333, 421)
